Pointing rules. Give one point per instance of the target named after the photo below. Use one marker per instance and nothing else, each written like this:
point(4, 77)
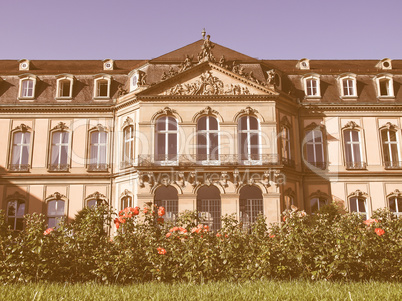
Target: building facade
point(201, 128)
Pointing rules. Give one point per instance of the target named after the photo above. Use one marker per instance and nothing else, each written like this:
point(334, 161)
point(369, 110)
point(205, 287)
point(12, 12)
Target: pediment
point(208, 79)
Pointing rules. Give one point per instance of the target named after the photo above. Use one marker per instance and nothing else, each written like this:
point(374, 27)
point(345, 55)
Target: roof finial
point(203, 33)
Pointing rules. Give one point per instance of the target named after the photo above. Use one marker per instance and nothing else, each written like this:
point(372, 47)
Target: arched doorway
point(166, 196)
point(209, 206)
point(251, 204)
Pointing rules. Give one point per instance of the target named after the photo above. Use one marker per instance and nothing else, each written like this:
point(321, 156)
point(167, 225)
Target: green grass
point(222, 291)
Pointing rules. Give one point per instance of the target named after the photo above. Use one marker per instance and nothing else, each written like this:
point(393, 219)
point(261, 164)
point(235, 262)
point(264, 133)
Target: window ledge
point(19, 167)
point(98, 167)
point(356, 166)
point(66, 99)
point(59, 168)
point(386, 98)
point(26, 99)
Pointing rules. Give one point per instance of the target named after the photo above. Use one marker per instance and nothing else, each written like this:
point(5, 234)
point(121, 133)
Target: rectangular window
point(390, 146)
point(315, 148)
point(59, 151)
point(27, 89)
point(358, 205)
point(98, 148)
point(348, 88)
point(353, 155)
point(312, 87)
point(20, 151)
point(65, 88)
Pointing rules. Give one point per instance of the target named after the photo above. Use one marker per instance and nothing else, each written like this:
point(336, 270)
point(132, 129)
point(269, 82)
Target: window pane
point(60, 207)
point(353, 205)
point(103, 137)
point(21, 209)
point(11, 208)
point(253, 123)
point(102, 154)
point(19, 225)
point(161, 144)
point(243, 143)
point(56, 137)
point(63, 154)
point(356, 153)
point(254, 143)
point(243, 123)
point(362, 205)
point(55, 155)
point(64, 137)
point(161, 124)
point(91, 203)
point(202, 124)
point(314, 204)
point(94, 137)
point(172, 124)
point(317, 136)
point(214, 147)
point(172, 143)
point(16, 155)
point(213, 123)
point(51, 208)
point(202, 144)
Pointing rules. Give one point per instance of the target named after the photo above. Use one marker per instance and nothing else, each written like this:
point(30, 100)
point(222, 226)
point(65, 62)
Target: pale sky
point(265, 29)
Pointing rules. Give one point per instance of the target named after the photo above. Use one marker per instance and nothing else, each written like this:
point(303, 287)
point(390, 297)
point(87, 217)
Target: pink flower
point(168, 234)
point(379, 231)
point(47, 231)
point(182, 230)
point(206, 228)
point(370, 221)
point(161, 251)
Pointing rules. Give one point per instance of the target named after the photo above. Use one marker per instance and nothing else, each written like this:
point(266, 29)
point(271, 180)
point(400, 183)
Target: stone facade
point(203, 127)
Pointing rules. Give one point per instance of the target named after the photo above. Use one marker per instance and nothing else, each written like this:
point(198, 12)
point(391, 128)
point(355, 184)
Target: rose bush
point(328, 245)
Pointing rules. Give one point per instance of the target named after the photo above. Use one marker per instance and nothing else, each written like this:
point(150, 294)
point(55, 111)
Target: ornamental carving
point(99, 127)
point(142, 77)
point(187, 64)
point(23, 128)
point(127, 122)
point(351, 125)
point(289, 192)
point(16, 196)
point(395, 193)
point(61, 126)
point(206, 51)
point(206, 85)
point(358, 193)
point(121, 91)
point(248, 111)
point(319, 194)
point(97, 196)
point(166, 111)
point(207, 111)
point(125, 193)
point(390, 126)
point(57, 196)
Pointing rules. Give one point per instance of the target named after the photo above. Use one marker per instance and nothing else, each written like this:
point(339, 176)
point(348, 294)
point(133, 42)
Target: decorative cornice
point(314, 125)
point(16, 196)
point(390, 126)
point(395, 193)
point(99, 127)
point(358, 193)
point(61, 126)
point(96, 195)
point(126, 193)
point(23, 128)
point(351, 125)
point(128, 121)
point(319, 194)
point(57, 196)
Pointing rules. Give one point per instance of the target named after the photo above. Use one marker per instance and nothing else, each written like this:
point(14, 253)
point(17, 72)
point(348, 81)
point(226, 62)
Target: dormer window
point(311, 84)
point(303, 64)
point(108, 64)
point(384, 64)
point(384, 86)
point(64, 87)
point(102, 86)
point(24, 65)
point(27, 87)
point(348, 85)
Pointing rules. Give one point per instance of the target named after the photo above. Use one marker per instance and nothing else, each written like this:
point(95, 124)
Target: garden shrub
point(328, 245)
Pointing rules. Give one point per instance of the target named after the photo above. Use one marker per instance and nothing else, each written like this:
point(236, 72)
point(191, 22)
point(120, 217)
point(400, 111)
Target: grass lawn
point(223, 291)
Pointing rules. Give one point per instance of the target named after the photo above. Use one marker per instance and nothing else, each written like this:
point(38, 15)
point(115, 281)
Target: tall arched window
point(251, 204)
point(166, 196)
point(166, 139)
point(359, 205)
point(317, 203)
point(395, 204)
point(353, 150)
point(209, 206)
point(207, 139)
point(390, 148)
point(20, 151)
point(128, 147)
point(314, 142)
point(59, 151)
point(55, 212)
point(285, 145)
point(98, 150)
point(15, 214)
point(249, 138)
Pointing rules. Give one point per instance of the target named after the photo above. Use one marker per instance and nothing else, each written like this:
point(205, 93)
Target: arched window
point(251, 204)
point(314, 142)
point(390, 148)
point(359, 205)
point(166, 196)
point(64, 86)
point(207, 139)
point(20, 150)
point(166, 139)
point(395, 204)
point(249, 138)
point(27, 87)
point(102, 86)
point(317, 203)
point(15, 214)
point(98, 150)
point(128, 148)
point(209, 206)
point(59, 151)
point(348, 85)
point(312, 85)
point(55, 212)
point(285, 145)
point(353, 149)
point(126, 201)
point(95, 199)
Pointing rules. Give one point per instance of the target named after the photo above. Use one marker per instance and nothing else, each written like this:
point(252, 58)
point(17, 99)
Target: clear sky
point(266, 29)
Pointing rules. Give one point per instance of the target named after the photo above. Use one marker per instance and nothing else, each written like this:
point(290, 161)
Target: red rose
point(272, 236)
point(168, 234)
point(146, 210)
point(182, 230)
point(120, 212)
point(161, 211)
point(160, 220)
point(136, 211)
point(161, 251)
point(379, 231)
point(218, 235)
point(206, 228)
point(47, 231)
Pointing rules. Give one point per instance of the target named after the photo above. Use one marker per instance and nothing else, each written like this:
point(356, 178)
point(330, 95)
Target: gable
point(208, 79)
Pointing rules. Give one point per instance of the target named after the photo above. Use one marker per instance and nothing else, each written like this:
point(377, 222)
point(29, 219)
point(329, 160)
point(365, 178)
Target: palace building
point(201, 128)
